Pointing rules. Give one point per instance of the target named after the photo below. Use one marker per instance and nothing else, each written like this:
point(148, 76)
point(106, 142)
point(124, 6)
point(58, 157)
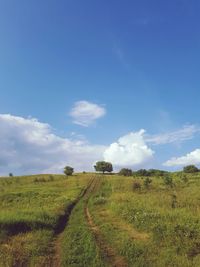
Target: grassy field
point(100, 220)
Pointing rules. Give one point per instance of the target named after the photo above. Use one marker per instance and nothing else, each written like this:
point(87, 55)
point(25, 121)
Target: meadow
point(100, 220)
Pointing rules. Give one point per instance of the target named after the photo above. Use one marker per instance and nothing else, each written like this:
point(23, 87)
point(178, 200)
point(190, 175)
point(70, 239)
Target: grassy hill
point(100, 220)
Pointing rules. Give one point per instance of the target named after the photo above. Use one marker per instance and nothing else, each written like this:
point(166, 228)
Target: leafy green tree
point(126, 172)
point(155, 172)
point(103, 166)
point(68, 170)
point(10, 174)
point(190, 169)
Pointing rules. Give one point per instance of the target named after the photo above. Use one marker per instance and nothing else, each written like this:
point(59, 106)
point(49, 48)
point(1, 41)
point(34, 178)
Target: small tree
point(103, 166)
point(168, 180)
point(126, 172)
point(10, 174)
point(190, 169)
point(68, 170)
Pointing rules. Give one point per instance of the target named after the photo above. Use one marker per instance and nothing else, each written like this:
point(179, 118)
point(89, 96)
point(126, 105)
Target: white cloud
point(190, 158)
point(29, 146)
point(185, 133)
point(129, 150)
point(85, 113)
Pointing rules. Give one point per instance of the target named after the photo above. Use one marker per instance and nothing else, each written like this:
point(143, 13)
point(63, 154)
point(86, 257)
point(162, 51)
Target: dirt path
point(109, 255)
point(62, 224)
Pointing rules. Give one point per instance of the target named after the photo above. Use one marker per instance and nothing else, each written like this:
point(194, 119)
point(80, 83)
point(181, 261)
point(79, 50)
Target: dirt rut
point(109, 255)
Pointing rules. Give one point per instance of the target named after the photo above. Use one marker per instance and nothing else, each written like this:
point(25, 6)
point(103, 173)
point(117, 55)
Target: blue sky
point(138, 61)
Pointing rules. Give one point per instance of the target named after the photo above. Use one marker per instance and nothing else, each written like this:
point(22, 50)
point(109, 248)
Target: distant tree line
point(104, 166)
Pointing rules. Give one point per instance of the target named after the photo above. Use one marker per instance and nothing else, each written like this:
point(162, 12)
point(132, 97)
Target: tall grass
point(173, 230)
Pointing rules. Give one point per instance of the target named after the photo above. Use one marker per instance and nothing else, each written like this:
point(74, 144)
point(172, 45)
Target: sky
point(82, 81)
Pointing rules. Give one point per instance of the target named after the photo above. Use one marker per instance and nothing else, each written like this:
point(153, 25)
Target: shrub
point(168, 180)
point(142, 172)
point(147, 182)
point(190, 169)
point(155, 172)
point(125, 172)
point(136, 186)
point(184, 178)
point(51, 178)
point(173, 201)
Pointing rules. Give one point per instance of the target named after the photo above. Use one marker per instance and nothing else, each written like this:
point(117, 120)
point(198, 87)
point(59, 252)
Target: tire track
point(108, 253)
point(62, 224)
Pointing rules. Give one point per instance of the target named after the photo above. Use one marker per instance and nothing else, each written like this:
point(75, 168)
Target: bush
point(51, 178)
point(142, 172)
point(184, 178)
point(126, 172)
point(155, 172)
point(190, 169)
point(173, 201)
point(147, 182)
point(136, 186)
point(168, 180)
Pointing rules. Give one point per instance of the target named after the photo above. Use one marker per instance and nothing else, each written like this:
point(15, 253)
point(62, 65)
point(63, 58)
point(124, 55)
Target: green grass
point(174, 233)
point(30, 209)
point(78, 244)
point(153, 226)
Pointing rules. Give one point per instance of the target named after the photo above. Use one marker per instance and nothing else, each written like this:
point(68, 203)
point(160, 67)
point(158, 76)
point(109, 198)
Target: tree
point(10, 174)
point(103, 166)
point(156, 172)
point(126, 172)
point(68, 170)
point(143, 172)
point(190, 169)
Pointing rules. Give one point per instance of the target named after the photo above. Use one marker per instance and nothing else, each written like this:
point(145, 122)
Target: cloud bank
point(190, 158)
point(28, 146)
point(85, 113)
point(129, 150)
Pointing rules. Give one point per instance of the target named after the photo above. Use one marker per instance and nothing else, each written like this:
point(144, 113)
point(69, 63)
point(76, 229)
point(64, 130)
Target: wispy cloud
point(190, 158)
point(187, 132)
point(85, 113)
